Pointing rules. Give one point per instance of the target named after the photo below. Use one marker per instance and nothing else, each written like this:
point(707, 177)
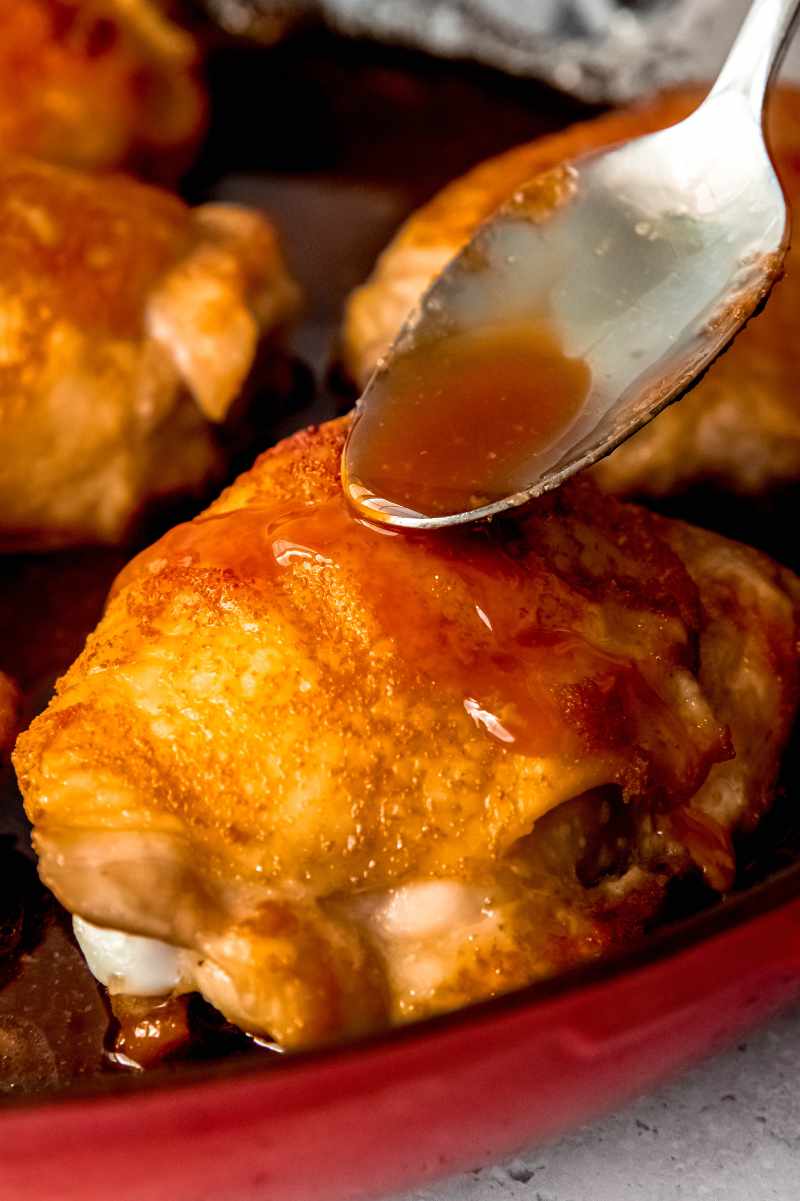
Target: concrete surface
point(727, 1131)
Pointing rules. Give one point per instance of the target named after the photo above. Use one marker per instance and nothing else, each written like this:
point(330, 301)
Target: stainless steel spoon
point(654, 257)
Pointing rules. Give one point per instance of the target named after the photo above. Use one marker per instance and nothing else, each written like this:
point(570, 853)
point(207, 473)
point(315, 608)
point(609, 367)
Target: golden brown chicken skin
point(739, 428)
point(128, 326)
point(98, 84)
point(360, 777)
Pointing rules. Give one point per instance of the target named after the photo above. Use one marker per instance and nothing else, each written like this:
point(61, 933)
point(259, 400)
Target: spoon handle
point(757, 52)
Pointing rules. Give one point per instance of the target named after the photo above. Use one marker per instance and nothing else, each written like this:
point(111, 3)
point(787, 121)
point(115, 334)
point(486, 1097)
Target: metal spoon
point(641, 263)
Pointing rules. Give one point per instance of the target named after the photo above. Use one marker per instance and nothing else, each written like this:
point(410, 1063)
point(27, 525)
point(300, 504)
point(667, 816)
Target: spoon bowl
point(621, 277)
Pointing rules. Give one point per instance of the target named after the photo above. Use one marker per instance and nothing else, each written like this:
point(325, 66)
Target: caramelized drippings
point(459, 422)
point(479, 615)
point(147, 1031)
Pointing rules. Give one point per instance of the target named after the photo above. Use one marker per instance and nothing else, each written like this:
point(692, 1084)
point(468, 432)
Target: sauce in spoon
point(646, 260)
point(460, 421)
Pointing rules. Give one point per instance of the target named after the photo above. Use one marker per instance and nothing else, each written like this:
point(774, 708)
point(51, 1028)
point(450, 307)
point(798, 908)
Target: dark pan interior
point(337, 141)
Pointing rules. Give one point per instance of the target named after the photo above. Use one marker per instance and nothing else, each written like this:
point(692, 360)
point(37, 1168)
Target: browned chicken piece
point(337, 778)
point(128, 325)
point(740, 427)
point(99, 84)
point(9, 714)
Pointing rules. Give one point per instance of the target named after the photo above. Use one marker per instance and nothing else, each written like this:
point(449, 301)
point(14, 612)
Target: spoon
point(598, 294)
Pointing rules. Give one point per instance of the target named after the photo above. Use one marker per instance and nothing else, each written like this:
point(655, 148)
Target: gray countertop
point(727, 1131)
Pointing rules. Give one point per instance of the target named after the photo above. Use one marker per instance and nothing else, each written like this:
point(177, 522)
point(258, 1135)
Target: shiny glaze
point(145, 1032)
point(489, 616)
point(458, 420)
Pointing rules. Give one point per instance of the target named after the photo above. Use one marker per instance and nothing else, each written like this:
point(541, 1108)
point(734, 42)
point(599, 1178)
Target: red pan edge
point(447, 1095)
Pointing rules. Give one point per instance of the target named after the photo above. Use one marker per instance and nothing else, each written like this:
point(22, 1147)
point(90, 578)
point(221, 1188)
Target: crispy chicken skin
point(362, 777)
point(128, 325)
point(740, 427)
point(98, 84)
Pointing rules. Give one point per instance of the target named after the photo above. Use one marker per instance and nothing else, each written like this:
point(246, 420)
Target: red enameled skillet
point(453, 1093)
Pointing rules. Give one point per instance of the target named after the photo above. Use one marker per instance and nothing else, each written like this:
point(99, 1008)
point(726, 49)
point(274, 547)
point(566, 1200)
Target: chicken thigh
point(99, 84)
point(335, 778)
point(128, 326)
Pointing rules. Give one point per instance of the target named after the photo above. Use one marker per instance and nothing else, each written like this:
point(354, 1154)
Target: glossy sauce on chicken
point(318, 760)
point(479, 614)
point(458, 422)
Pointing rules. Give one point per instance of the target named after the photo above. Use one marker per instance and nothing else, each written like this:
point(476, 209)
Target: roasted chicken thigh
point(740, 427)
point(128, 325)
point(98, 84)
point(336, 778)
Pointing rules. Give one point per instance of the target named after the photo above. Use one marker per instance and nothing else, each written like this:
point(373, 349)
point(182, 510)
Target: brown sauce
point(480, 615)
point(459, 422)
point(146, 1031)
